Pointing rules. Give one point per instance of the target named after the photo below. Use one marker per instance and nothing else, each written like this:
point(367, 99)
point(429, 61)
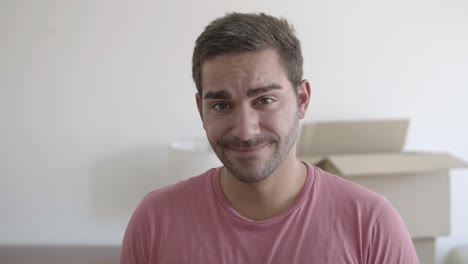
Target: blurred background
point(93, 92)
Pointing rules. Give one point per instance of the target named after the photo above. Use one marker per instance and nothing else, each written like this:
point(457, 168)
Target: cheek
point(278, 122)
point(215, 129)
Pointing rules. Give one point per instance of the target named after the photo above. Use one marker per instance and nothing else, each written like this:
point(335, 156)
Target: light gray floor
point(59, 254)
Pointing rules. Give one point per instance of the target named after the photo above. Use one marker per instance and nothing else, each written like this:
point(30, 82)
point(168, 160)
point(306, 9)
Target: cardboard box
point(426, 249)
point(370, 153)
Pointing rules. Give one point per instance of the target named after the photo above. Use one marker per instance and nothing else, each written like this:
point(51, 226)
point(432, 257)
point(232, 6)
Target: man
point(264, 205)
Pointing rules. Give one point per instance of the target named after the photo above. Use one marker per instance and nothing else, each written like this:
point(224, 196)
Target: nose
point(245, 123)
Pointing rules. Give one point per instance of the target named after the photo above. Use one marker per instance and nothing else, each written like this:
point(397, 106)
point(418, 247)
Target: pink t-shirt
point(332, 220)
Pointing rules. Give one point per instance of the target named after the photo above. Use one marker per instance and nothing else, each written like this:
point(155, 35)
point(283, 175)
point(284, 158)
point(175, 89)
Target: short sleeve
point(390, 241)
point(137, 238)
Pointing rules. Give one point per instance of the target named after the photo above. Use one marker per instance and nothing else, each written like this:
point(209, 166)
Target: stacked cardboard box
point(370, 153)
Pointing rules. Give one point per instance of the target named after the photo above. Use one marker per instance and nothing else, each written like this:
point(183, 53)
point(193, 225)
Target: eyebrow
point(225, 95)
point(263, 89)
point(217, 95)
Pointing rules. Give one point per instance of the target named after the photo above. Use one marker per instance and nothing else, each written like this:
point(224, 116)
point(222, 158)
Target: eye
point(266, 100)
point(220, 106)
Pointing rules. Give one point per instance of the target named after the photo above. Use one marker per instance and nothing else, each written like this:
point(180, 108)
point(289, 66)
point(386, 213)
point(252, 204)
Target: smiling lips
point(249, 149)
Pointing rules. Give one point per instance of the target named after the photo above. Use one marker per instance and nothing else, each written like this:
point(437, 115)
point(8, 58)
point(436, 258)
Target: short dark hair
point(237, 32)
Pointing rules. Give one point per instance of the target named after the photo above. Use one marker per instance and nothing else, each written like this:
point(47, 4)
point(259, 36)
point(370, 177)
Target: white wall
point(91, 93)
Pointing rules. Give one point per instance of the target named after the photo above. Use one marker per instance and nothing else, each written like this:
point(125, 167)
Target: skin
point(251, 113)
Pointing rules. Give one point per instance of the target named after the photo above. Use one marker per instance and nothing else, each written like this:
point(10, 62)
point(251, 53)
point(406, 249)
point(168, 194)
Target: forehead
point(244, 70)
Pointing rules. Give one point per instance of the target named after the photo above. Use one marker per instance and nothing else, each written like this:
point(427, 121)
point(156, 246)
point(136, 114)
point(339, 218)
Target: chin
point(250, 178)
point(250, 174)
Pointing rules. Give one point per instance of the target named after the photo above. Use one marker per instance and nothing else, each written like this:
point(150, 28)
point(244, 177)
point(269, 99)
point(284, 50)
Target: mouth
point(249, 149)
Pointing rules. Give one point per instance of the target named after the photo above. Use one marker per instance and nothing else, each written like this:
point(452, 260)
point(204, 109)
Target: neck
point(269, 197)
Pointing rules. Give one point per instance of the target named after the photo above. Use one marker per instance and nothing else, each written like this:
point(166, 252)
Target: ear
point(303, 97)
point(199, 104)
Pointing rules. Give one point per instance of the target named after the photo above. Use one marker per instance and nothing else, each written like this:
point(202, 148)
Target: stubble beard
point(245, 170)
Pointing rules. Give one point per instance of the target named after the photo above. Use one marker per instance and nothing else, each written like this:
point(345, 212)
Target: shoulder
point(157, 210)
point(338, 189)
point(390, 241)
point(382, 232)
point(179, 193)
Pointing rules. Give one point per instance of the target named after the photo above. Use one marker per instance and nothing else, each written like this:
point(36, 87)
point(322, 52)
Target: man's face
point(250, 112)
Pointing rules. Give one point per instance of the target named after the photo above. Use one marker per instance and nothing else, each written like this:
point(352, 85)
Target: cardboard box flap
point(389, 163)
point(327, 138)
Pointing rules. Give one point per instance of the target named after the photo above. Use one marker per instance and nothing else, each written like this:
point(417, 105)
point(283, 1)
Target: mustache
point(235, 142)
